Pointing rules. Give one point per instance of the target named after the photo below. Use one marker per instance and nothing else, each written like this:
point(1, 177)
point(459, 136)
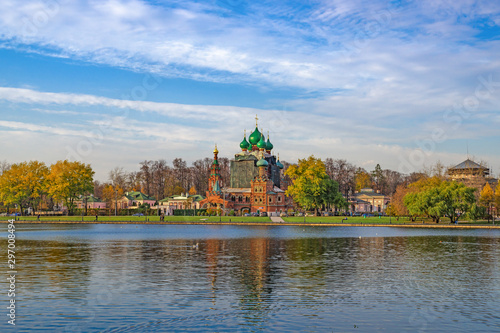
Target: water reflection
point(144, 279)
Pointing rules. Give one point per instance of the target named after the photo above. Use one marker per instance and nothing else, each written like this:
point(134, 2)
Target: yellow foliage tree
point(497, 198)
point(363, 180)
point(311, 187)
point(24, 184)
point(110, 194)
point(487, 197)
point(178, 190)
point(192, 191)
point(68, 180)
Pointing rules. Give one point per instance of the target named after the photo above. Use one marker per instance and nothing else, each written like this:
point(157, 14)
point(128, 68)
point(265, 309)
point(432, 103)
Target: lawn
point(345, 219)
point(138, 219)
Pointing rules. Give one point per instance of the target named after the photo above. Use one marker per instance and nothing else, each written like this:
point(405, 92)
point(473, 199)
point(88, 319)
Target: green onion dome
point(262, 142)
point(244, 144)
point(269, 145)
point(254, 137)
point(278, 163)
point(262, 163)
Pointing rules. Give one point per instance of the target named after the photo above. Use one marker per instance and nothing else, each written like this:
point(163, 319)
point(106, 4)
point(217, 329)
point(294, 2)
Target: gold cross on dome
point(256, 120)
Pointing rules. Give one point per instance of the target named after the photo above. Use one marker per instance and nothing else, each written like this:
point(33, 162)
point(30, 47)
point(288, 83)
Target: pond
point(172, 278)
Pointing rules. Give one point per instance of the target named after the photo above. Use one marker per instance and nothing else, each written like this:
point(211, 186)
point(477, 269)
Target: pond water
point(172, 278)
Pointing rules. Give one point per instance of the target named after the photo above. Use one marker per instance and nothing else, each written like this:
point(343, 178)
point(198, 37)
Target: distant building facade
point(134, 199)
point(369, 201)
point(169, 204)
point(90, 202)
point(472, 174)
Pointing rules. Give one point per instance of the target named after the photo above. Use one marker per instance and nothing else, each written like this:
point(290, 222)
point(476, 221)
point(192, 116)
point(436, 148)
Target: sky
point(403, 84)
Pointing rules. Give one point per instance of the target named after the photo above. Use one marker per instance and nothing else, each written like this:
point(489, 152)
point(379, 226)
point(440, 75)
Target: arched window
point(233, 198)
point(240, 199)
point(270, 199)
point(279, 198)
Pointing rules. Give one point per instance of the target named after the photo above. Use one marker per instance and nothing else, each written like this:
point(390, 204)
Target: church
point(257, 184)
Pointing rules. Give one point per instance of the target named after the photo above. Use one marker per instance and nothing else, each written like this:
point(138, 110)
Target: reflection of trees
point(55, 266)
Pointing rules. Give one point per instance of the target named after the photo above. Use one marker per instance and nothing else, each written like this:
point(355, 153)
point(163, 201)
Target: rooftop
point(468, 164)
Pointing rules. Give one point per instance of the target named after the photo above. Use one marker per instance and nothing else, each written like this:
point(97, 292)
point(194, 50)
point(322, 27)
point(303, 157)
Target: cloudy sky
point(400, 83)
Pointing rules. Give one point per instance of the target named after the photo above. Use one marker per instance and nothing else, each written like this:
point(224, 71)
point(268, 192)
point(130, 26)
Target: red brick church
point(256, 185)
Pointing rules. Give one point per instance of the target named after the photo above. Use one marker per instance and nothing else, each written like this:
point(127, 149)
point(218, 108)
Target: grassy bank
point(372, 220)
point(139, 219)
point(345, 219)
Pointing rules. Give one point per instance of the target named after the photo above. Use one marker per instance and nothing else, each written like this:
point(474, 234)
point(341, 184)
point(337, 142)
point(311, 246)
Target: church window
point(279, 199)
point(270, 199)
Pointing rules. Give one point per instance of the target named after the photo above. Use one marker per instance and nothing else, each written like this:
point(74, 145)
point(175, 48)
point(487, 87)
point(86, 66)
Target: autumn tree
point(497, 197)
point(24, 184)
point(363, 179)
point(111, 194)
point(397, 205)
point(487, 198)
point(311, 187)
point(192, 190)
point(69, 180)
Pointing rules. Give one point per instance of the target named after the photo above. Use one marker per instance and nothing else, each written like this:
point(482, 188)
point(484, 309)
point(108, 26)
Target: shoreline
point(408, 225)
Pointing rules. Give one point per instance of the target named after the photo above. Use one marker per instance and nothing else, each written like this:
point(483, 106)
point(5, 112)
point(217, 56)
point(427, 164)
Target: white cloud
point(382, 83)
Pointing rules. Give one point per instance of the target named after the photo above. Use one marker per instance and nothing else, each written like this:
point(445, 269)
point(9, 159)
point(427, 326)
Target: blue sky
point(400, 83)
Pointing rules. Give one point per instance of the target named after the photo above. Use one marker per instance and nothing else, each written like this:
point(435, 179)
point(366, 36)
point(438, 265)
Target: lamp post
point(116, 200)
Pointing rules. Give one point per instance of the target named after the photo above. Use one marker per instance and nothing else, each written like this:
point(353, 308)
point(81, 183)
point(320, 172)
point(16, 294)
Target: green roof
point(269, 145)
point(262, 163)
point(91, 198)
point(136, 195)
point(254, 137)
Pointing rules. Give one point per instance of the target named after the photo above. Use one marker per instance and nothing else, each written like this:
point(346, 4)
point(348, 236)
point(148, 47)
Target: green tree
point(378, 178)
point(434, 197)
point(68, 180)
point(23, 184)
point(311, 187)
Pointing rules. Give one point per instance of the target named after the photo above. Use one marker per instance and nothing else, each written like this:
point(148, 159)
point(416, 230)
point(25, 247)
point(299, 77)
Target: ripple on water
point(282, 279)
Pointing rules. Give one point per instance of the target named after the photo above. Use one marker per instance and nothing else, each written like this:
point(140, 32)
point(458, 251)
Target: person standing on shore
point(96, 216)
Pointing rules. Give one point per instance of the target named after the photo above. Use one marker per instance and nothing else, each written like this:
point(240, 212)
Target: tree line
point(28, 184)
point(435, 197)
